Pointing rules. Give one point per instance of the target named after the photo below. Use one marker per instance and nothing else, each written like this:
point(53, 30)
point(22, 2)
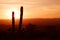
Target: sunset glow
point(9, 13)
point(32, 8)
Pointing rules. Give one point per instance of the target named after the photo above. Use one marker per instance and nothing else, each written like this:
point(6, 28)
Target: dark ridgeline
point(21, 17)
point(13, 21)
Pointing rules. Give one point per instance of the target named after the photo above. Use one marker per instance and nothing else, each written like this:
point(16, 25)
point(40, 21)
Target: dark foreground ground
point(50, 34)
point(29, 36)
point(37, 29)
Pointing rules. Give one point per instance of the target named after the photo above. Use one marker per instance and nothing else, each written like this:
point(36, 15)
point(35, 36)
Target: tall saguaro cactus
point(21, 17)
point(13, 21)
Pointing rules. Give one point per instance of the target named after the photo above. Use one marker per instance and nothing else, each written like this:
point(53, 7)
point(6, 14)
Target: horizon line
point(31, 18)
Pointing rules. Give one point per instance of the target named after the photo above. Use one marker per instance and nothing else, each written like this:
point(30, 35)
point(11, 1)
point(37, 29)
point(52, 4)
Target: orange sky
point(32, 8)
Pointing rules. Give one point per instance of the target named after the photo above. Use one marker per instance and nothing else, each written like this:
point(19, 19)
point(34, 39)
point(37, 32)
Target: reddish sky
point(32, 8)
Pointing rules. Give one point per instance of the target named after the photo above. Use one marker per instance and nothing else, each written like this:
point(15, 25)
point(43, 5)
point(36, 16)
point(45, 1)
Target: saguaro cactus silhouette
point(21, 17)
point(13, 21)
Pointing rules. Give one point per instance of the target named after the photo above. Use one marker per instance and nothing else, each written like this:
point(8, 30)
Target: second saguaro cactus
point(21, 17)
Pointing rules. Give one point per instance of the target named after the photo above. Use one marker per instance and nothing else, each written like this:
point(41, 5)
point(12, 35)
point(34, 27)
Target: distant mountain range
point(37, 21)
point(41, 23)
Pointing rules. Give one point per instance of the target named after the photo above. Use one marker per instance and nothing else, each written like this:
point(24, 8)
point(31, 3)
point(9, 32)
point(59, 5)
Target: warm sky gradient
point(32, 8)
